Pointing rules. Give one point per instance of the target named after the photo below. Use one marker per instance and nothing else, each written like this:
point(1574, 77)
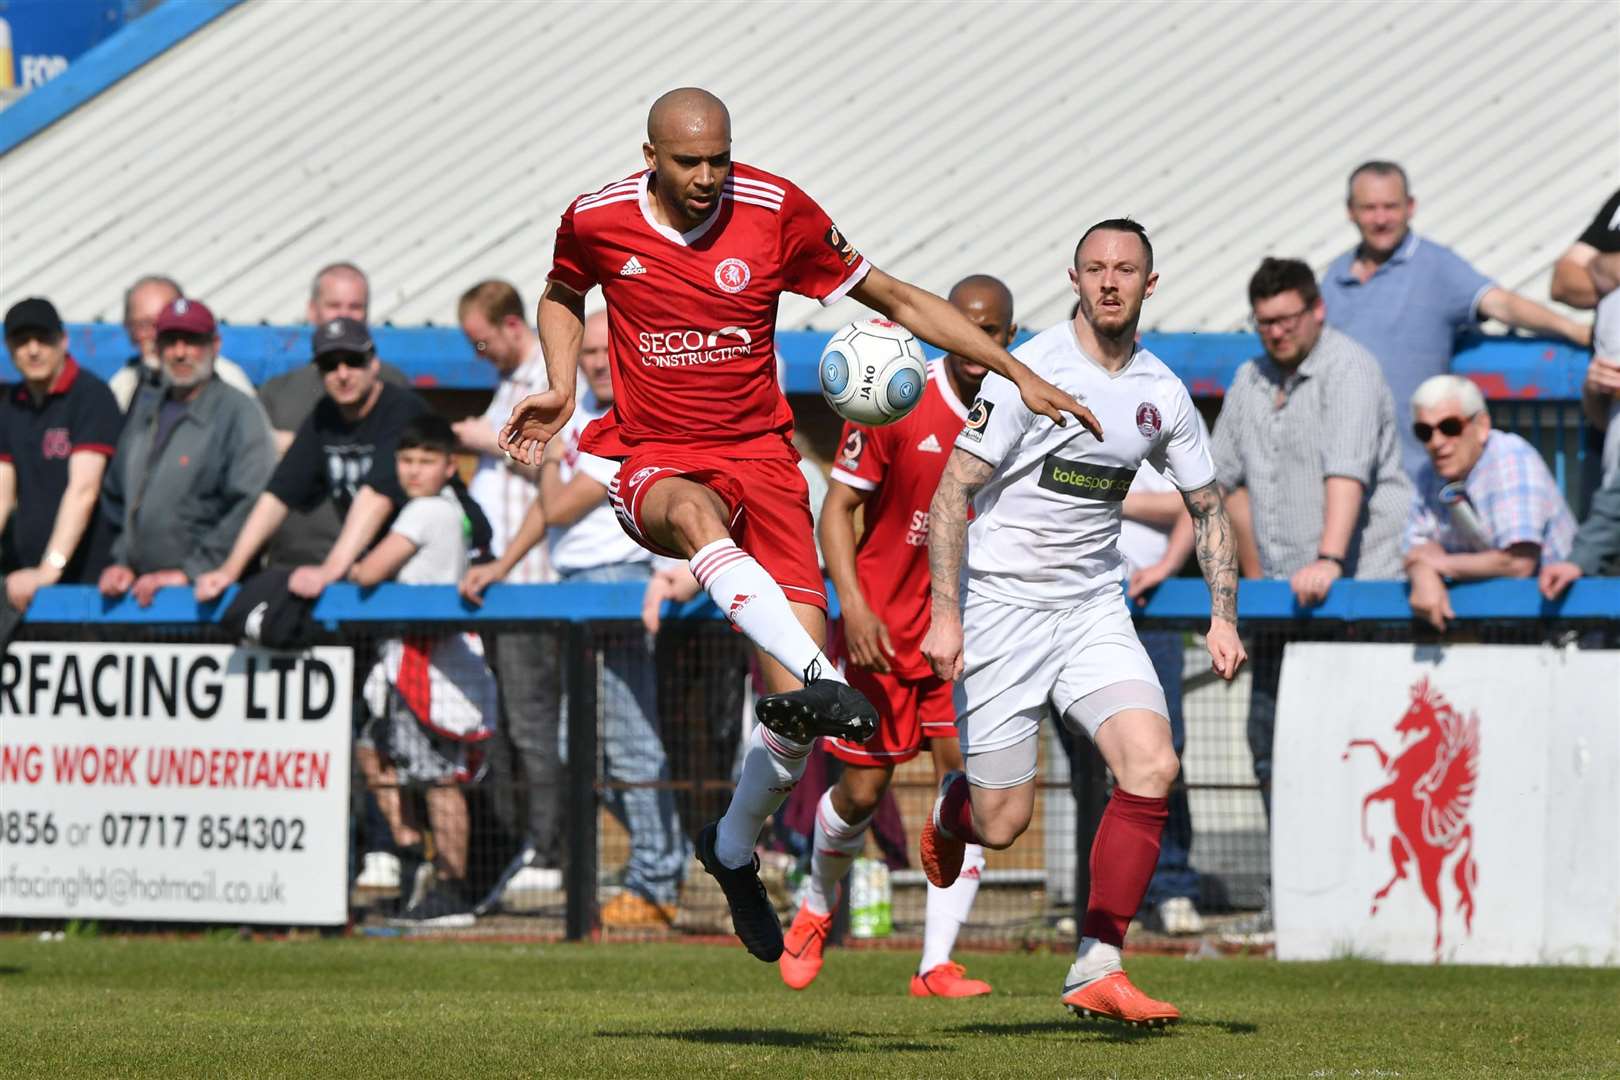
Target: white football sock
point(835, 843)
point(757, 606)
point(948, 909)
point(771, 766)
point(1093, 960)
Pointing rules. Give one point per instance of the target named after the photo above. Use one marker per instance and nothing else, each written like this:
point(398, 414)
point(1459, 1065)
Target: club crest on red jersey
point(732, 275)
point(1429, 785)
point(1148, 421)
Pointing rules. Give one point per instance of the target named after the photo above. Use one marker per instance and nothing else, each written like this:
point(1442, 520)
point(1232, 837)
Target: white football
point(873, 372)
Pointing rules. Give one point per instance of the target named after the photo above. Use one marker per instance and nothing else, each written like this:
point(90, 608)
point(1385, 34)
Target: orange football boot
point(947, 980)
point(1112, 997)
point(941, 853)
point(801, 958)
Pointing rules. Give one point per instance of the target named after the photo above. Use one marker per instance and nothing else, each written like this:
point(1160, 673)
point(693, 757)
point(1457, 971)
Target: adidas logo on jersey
point(930, 445)
point(632, 267)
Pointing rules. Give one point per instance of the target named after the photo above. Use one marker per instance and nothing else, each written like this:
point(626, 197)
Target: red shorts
point(909, 711)
point(767, 501)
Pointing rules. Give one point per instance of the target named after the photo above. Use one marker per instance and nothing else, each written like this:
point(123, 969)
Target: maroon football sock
point(956, 812)
point(1122, 860)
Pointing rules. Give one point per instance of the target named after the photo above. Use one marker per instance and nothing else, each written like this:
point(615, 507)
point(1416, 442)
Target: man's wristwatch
point(1334, 559)
point(56, 561)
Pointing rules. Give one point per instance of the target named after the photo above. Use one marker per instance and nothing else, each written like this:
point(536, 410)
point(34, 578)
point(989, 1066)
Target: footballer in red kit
point(692, 320)
point(692, 255)
point(890, 473)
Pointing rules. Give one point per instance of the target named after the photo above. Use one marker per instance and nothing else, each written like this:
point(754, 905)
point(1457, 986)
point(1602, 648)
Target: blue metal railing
point(1176, 599)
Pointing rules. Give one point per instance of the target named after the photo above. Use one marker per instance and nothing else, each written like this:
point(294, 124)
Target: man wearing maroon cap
point(57, 430)
point(190, 463)
point(142, 373)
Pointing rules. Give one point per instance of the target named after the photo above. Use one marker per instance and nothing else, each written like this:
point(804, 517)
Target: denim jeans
point(527, 764)
point(1265, 672)
point(633, 752)
point(1174, 874)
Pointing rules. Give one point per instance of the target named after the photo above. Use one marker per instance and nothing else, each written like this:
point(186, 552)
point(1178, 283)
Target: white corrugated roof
point(436, 142)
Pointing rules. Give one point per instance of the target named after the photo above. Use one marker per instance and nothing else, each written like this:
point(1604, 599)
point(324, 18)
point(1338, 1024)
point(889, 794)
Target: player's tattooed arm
point(947, 524)
point(947, 543)
point(1216, 545)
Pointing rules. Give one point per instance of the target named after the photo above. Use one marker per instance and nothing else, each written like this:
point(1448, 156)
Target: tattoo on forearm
point(1217, 549)
point(947, 522)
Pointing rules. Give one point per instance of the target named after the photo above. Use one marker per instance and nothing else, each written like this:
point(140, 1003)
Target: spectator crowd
point(1347, 447)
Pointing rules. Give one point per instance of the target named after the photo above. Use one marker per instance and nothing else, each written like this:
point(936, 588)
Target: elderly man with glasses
point(1486, 505)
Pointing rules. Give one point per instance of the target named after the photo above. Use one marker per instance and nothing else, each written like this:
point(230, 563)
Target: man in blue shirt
point(1405, 297)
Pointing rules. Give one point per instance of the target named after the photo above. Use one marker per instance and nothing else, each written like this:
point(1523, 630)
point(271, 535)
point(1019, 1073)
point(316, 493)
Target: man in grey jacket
point(1597, 543)
point(190, 464)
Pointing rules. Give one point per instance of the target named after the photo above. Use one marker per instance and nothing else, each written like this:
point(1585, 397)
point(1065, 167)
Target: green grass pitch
point(390, 1008)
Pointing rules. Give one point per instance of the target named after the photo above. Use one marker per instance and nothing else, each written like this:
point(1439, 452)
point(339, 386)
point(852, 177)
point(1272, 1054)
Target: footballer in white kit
point(1043, 624)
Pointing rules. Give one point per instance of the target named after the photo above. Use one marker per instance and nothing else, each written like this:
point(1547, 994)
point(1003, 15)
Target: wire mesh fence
point(568, 806)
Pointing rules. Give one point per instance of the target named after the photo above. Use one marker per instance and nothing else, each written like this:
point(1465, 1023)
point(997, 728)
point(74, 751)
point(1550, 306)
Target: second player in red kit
point(883, 588)
point(692, 255)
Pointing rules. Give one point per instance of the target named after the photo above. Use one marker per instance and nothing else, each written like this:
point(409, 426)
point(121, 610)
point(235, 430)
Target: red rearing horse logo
point(1430, 787)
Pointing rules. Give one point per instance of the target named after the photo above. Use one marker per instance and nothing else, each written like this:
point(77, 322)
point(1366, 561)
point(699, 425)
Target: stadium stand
point(280, 136)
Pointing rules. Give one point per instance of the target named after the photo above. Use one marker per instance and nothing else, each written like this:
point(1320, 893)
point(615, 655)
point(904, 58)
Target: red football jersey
point(692, 316)
point(900, 464)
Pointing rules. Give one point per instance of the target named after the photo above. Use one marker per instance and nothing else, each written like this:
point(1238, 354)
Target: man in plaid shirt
point(1486, 505)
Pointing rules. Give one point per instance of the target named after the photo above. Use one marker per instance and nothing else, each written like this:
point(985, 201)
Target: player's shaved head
point(688, 149)
point(986, 293)
point(688, 111)
point(987, 304)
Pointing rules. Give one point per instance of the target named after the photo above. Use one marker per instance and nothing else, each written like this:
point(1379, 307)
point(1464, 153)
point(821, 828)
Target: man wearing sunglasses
point(343, 452)
point(192, 459)
point(1486, 504)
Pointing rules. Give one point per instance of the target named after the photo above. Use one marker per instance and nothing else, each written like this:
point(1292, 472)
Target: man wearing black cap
point(340, 290)
point(192, 460)
point(342, 452)
point(58, 427)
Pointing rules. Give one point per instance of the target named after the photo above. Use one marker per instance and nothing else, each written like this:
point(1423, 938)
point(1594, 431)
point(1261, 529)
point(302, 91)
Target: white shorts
point(1019, 662)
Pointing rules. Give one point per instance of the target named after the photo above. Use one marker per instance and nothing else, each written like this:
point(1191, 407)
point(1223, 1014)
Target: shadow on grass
point(855, 1041)
point(12, 969)
point(1102, 1030)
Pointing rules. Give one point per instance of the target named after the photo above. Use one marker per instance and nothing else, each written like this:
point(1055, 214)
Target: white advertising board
point(1457, 804)
point(192, 783)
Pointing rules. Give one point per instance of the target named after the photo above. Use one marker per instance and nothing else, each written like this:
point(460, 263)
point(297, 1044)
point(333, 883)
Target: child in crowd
point(432, 697)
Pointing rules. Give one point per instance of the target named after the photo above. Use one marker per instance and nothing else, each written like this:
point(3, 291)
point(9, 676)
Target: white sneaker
point(380, 870)
point(1178, 915)
point(534, 879)
point(1252, 930)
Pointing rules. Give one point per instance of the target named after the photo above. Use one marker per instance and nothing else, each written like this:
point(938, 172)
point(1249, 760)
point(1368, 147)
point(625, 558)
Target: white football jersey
point(1045, 532)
